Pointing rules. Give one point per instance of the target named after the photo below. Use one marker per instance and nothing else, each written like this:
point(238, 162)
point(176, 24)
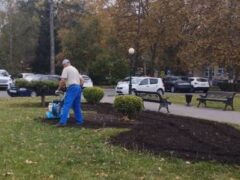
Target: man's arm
point(62, 84)
point(63, 81)
point(81, 80)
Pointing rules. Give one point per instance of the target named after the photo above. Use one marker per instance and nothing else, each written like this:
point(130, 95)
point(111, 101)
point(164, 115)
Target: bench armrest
point(230, 98)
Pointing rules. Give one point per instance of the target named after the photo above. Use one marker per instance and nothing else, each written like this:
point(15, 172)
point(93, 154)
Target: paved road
point(202, 113)
point(3, 94)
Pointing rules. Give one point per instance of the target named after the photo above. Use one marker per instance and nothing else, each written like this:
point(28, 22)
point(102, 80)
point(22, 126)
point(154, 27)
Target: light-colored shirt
point(71, 75)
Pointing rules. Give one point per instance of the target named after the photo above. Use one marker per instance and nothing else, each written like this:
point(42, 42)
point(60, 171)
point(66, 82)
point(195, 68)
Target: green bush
point(20, 83)
point(93, 95)
point(229, 87)
point(128, 105)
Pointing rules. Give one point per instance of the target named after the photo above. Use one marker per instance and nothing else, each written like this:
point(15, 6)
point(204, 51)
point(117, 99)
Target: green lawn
point(180, 99)
point(32, 150)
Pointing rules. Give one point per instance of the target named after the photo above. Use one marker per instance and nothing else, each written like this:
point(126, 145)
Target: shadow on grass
point(29, 105)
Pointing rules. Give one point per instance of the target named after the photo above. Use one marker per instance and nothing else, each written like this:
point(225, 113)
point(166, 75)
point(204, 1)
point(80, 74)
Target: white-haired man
point(72, 80)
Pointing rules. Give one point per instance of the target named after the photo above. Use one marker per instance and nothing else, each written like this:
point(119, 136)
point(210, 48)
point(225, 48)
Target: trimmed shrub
point(93, 95)
point(128, 105)
point(40, 87)
point(229, 87)
point(20, 83)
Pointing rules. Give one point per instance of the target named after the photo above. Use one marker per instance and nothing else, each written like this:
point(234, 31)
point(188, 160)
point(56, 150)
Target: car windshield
point(4, 73)
point(27, 75)
point(85, 77)
point(34, 77)
point(136, 80)
point(125, 79)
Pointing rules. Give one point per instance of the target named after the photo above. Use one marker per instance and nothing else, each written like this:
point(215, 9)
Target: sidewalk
point(201, 113)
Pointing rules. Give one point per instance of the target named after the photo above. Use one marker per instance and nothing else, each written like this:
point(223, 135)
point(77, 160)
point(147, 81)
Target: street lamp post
point(131, 52)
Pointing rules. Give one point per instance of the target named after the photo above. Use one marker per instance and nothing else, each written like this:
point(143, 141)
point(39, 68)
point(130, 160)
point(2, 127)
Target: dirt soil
point(158, 133)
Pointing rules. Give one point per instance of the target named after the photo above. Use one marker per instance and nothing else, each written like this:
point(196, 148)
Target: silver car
point(5, 79)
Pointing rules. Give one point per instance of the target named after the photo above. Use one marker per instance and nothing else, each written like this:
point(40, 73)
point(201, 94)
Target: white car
point(199, 83)
point(148, 84)
point(5, 79)
point(87, 81)
point(122, 87)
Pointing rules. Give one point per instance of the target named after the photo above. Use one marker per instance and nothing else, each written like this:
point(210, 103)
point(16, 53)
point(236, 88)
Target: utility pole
point(52, 44)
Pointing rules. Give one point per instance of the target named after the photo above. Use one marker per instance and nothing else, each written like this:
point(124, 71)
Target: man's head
point(66, 63)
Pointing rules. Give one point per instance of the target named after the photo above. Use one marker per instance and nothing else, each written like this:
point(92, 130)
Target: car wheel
point(160, 92)
point(173, 89)
point(33, 94)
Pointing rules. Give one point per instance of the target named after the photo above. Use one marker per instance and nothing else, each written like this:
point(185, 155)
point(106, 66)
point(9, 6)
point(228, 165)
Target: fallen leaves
point(30, 162)
point(102, 174)
point(9, 173)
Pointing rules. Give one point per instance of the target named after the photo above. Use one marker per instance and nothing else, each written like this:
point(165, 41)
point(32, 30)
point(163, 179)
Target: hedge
point(235, 87)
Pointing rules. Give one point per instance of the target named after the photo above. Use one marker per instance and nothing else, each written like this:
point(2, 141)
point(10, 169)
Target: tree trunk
point(52, 44)
point(153, 50)
point(43, 101)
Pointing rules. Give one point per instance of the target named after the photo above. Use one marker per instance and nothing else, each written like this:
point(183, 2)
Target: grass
point(32, 150)
point(180, 99)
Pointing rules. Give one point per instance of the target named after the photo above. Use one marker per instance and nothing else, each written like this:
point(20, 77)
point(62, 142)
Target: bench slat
point(149, 97)
point(218, 96)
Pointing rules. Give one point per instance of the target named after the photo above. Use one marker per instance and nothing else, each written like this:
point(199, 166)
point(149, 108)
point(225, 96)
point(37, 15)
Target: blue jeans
point(72, 100)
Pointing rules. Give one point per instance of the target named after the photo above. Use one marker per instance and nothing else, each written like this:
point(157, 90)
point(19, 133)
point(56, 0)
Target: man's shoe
point(60, 125)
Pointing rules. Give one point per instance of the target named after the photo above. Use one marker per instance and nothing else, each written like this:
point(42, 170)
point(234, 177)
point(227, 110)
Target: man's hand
point(81, 81)
point(62, 84)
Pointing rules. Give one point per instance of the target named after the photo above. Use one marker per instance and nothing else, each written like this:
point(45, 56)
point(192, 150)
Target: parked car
point(148, 84)
point(25, 76)
point(5, 79)
point(177, 84)
point(216, 82)
point(199, 83)
point(122, 87)
point(13, 91)
point(87, 81)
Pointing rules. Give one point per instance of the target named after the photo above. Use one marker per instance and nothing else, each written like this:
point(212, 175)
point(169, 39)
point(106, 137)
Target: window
point(144, 82)
point(136, 80)
point(174, 79)
point(202, 80)
point(209, 72)
point(153, 81)
point(4, 73)
point(220, 71)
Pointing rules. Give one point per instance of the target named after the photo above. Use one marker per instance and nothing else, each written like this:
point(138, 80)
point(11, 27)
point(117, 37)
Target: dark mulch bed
point(158, 133)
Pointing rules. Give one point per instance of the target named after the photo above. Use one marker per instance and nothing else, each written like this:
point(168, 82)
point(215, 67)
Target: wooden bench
point(217, 96)
point(155, 98)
